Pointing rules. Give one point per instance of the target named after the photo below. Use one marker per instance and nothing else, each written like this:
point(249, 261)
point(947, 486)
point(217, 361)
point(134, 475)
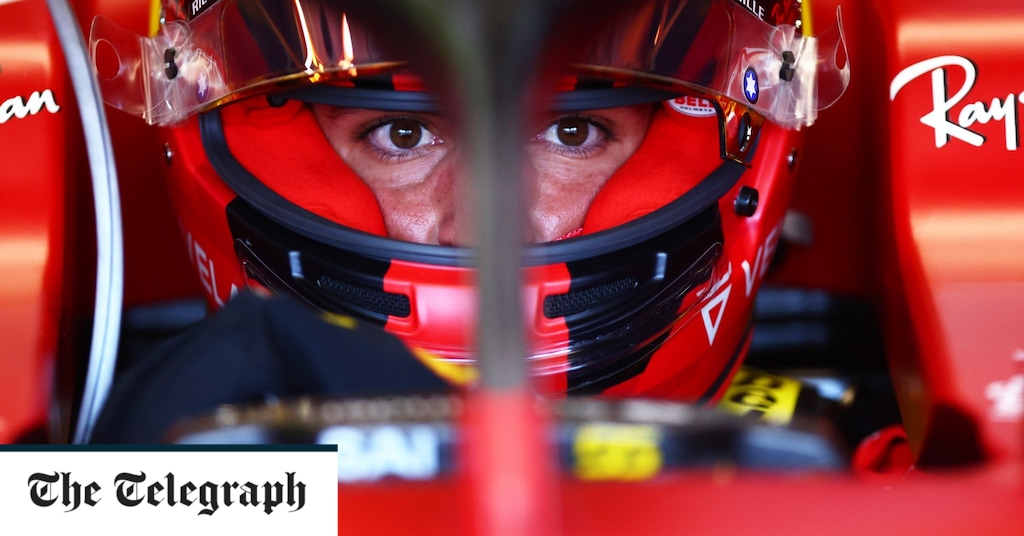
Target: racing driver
point(323, 176)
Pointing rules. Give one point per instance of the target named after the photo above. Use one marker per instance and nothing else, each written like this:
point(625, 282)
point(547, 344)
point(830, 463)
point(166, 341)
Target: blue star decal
point(202, 87)
point(751, 89)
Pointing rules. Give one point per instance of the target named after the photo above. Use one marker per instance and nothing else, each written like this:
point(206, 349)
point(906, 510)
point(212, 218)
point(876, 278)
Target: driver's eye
point(402, 136)
point(572, 131)
point(406, 133)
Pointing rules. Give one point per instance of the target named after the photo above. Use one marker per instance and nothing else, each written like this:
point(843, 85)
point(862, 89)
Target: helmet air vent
point(372, 299)
point(578, 301)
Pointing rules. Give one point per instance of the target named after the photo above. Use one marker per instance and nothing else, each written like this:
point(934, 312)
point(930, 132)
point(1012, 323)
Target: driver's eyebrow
point(338, 112)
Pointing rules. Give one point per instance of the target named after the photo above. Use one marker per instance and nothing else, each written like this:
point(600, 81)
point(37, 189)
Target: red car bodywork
point(911, 184)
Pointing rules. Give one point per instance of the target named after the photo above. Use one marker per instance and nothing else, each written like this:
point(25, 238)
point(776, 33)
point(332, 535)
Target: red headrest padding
point(286, 150)
point(677, 153)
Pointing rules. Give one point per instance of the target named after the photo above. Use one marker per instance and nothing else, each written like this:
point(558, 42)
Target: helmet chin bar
point(615, 307)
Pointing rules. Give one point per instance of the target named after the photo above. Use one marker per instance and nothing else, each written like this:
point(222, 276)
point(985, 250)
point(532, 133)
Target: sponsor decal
point(617, 451)
point(754, 7)
point(768, 397)
point(370, 453)
point(202, 87)
point(693, 106)
point(714, 310)
point(207, 271)
point(751, 87)
point(776, 12)
point(197, 7)
point(971, 114)
point(1007, 396)
point(755, 272)
point(20, 107)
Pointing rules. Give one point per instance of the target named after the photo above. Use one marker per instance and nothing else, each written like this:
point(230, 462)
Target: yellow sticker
point(156, 15)
point(612, 451)
point(805, 18)
point(460, 375)
point(341, 321)
point(769, 397)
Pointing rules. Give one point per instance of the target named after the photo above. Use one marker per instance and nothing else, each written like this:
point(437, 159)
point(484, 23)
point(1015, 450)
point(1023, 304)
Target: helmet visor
point(234, 48)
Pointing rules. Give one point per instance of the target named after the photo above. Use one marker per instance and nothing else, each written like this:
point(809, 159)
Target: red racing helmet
point(649, 292)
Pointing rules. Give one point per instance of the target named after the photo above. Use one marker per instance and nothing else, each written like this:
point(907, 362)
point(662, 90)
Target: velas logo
point(693, 106)
point(978, 112)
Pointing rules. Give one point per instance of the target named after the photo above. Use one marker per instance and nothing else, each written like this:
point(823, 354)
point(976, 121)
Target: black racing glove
point(255, 349)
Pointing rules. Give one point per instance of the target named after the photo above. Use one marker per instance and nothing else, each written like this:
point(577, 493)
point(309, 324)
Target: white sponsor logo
point(1007, 398)
point(765, 252)
point(374, 452)
point(716, 305)
point(693, 106)
point(207, 271)
point(973, 113)
point(720, 290)
point(755, 7)
point(20, 108)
